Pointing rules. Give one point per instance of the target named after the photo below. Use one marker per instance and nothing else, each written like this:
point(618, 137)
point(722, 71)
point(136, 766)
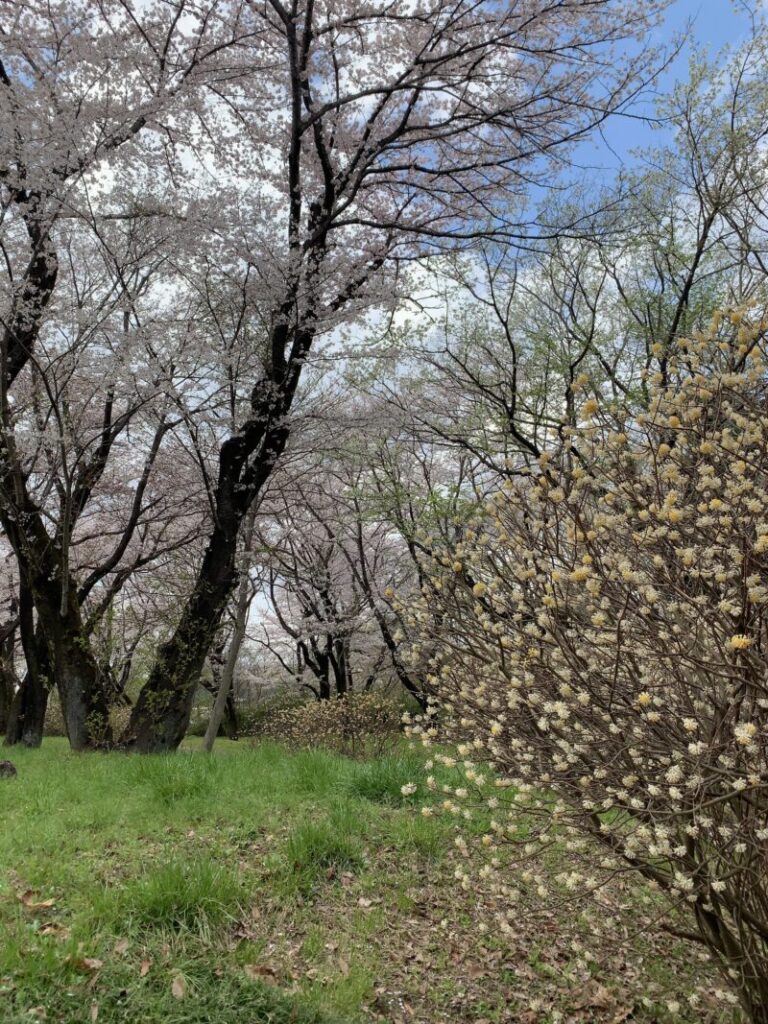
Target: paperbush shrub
point(600, 637)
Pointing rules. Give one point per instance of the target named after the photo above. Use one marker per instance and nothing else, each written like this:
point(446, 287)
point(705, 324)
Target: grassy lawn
point(267, 886)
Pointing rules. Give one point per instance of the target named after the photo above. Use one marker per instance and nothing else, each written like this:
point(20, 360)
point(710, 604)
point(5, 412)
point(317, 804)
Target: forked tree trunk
point(45, 587)
point(26, 721)
point(74, 668)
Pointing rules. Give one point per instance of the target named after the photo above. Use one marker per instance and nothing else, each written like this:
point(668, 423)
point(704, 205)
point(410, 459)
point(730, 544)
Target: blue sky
point(715, 24)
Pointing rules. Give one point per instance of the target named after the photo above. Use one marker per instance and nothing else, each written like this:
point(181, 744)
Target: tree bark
point(227, 676)
point(161, 714)
point(26, 721)
point(6, 694)
point(78, 679)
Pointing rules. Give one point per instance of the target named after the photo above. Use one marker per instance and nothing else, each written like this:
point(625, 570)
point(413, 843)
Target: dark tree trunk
point(74, 668)
point(8, 679)
point(323, 673)
point(26, 721)
point(7, 685)
point(161, 714)
point(339, 657)
point(319, 664)
point(160, 717)
point(46, 587)
point(229, 726)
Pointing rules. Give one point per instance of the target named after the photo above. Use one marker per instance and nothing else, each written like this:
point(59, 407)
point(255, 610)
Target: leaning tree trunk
point(161, 714)
point(227, 676)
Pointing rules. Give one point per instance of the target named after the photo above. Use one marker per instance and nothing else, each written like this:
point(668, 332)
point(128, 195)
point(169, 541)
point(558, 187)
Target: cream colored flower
point(590, 407)
point(745, 733)
point(740, 642)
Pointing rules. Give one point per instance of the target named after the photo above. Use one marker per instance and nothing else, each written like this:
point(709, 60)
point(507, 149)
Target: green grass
point(258, 886)
point(382, 779)
point(325, 849)
point(164, 858)
point(193, 893)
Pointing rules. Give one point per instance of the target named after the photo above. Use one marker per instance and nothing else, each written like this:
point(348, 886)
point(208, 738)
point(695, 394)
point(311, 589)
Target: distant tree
point(624, 267)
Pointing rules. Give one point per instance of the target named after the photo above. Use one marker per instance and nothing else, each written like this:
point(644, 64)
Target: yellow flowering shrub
point(604, 649)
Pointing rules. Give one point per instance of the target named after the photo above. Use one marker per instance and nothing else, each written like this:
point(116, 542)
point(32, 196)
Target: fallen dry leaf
point(179, 987)
point(595, 997)
point(145, 968)
point(623, 1014)
point(88, 963)
point(121, 947)
point(261, 972)
point(94, 1012)
point(29, 901)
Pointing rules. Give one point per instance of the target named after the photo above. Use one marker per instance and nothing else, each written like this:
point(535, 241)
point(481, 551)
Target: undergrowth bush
point(356, 724)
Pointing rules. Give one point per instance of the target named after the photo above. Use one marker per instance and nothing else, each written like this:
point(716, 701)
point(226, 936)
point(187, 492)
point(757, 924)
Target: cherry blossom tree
point(79, 83)
point(362, 164)
point(295, 174)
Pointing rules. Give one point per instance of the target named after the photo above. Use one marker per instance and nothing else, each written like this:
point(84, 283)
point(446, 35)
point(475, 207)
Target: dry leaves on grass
point(29, 899)
point(261, 972)
point(88, 964)
point(179, 987)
